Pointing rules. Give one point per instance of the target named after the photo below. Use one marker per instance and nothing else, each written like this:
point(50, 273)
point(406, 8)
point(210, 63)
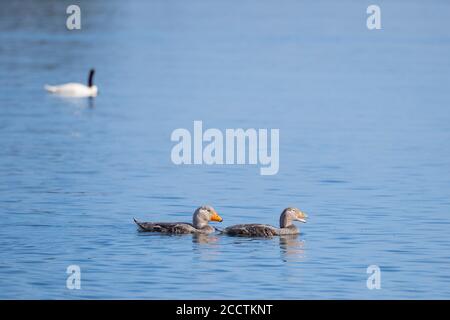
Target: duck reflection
point(291, 248)
point(205, 247)
point(204, 238)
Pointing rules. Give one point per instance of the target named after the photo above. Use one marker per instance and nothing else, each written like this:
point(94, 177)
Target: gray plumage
point(253, 229)
point(166, 227)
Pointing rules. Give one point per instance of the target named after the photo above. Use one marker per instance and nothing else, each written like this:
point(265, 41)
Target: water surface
point(364, 125)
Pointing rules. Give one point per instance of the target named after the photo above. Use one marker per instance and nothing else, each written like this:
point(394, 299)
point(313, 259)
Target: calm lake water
point(364, 119)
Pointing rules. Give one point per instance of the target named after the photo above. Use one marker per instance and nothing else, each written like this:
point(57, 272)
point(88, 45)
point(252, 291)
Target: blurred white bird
point(75, 89)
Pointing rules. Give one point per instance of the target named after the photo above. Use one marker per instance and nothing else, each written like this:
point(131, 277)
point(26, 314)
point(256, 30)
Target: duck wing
point(166, 227)
point(251, 230)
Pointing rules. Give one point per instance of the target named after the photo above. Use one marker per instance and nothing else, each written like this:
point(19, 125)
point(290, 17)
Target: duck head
point(203, 215)
point(291, 214)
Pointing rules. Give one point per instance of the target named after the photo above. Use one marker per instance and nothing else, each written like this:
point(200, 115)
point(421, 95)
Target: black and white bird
point(73, 89)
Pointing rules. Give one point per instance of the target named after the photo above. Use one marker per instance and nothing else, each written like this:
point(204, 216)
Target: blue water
point(364, 119)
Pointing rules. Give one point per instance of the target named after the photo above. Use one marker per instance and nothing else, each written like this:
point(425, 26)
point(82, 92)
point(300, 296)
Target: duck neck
point(285, 221)
point(199, 221)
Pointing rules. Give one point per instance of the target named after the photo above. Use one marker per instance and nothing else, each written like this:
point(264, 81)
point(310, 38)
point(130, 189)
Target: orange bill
point(216, 217)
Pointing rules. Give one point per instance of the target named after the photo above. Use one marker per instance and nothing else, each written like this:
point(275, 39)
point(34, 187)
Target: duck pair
point(204, 214)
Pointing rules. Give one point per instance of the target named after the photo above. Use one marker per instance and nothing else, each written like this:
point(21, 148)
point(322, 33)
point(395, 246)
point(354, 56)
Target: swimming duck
point(75, 89)
point(263, 230)
point(199, 224)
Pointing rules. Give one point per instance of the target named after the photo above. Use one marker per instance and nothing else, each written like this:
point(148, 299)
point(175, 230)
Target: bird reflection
point(78, 103)
point(291, 248)
point(204, 239)
point(91, 103)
